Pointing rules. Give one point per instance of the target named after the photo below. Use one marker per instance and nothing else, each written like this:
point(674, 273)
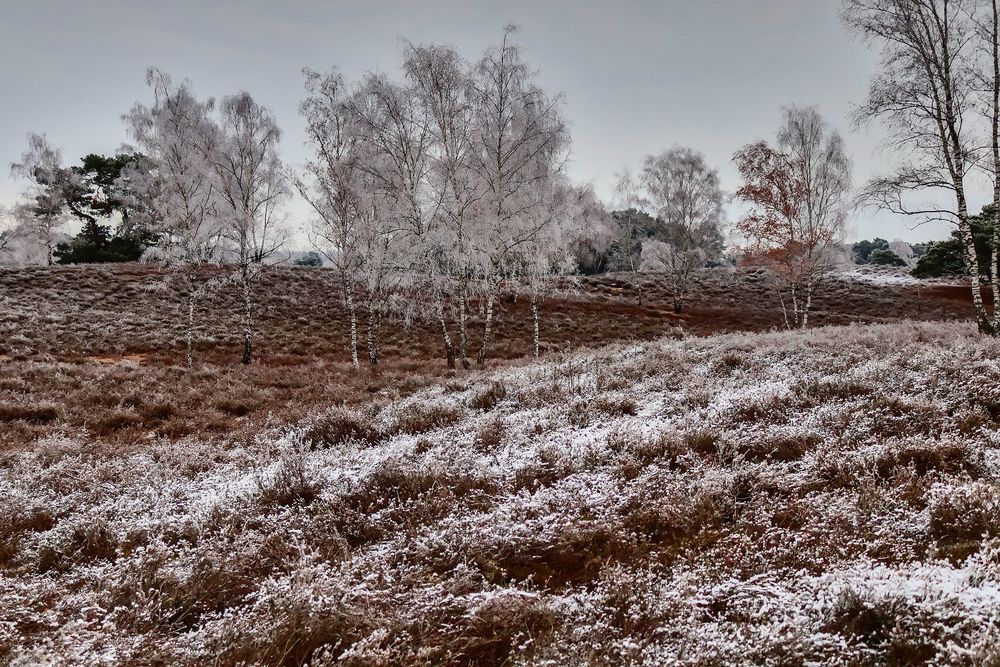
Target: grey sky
point(638, 76)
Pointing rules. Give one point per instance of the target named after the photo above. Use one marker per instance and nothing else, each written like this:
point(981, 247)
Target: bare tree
point(8, 231)
point(401, 238)
point(251, 186)
point(355, 228)
point(42, 214)
point(685, 194)
point(178, 192)
point(520, 142)
point(627, 240)
point(441, 80)
point(987, 20)
point(548, 256)
point(798, 198)
point(923, 96)
point(335, 189)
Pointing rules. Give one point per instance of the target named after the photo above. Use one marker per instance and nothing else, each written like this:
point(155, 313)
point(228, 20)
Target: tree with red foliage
point(797, 194)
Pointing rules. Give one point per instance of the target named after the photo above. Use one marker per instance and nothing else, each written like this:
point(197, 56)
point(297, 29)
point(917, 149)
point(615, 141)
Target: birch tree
point(988, 23)
point(923, 96)
point(242, 153)
point(798, 206)
point(177, 193)
point(402, 238)
point(334, 192)
point(442, 82)
point(520, 142)
point(355, 228)
point(628, 237)
point(685, 195)
point(8, 231)
point(42, 213)
point(548, 255)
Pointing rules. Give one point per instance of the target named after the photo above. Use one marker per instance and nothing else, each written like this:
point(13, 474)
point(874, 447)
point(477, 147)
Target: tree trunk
point(995, 258)
point(487, 329)
point(374, 320)
point(190, 327)
point(638, 283)
point(678, 305)
point(534, 318)
point(247, 322)
point(807, 305)
point(449, 349)
point(784, 309)
point(995, 255)
point(972, 263)
point(352, 312)
point(463, 337)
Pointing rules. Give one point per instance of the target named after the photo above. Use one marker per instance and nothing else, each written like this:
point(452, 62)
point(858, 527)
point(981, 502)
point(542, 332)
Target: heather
point(819, 496)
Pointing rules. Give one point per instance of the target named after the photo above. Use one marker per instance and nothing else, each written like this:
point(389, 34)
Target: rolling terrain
point(826, 496)
point(99, 349)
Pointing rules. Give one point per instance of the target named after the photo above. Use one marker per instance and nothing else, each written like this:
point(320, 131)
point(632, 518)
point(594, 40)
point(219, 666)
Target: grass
point(100, 348)
point(821, 497)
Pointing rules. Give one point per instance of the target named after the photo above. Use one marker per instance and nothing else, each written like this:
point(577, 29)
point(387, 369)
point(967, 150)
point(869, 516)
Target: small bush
point(340, 426)
point(420, 418)
point(33, 414)
point(488, 398)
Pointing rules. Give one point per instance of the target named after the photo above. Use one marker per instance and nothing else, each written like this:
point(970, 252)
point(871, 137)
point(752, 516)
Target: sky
point(638, 76)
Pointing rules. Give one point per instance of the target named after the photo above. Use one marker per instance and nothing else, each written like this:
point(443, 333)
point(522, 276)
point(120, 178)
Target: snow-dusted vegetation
point(820, 496)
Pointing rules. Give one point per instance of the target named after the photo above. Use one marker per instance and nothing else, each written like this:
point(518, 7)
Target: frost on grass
point(827, 497)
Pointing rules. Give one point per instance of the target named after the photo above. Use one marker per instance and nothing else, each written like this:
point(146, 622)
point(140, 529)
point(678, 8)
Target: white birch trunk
point(449, 348)
point(487, 329)
point(534, 318)
point(353, 314)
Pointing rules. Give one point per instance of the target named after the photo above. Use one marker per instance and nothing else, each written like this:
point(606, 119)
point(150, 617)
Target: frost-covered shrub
point(821, 497)
point(339, 426)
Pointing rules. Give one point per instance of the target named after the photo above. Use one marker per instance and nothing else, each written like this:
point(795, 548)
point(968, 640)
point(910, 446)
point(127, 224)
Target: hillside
point(97, 348)
point(828, 496)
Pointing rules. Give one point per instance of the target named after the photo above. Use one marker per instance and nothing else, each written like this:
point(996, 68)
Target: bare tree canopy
point(797, 195)
point(936, 55)
point(684, 193)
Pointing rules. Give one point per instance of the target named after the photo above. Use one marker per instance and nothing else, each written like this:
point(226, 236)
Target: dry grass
point(805, 498)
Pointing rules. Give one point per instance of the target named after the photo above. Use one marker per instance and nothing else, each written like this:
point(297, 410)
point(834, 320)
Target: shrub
point(339, 426)
point(418, 418)
point(488, 398)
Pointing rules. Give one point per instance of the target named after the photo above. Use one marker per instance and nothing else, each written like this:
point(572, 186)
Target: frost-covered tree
point(685, 195)
point(400, 235)
point(8, 232)
point(441, 80)
point(520, 141)
point(925, 95)
point(548, 256)
point(630, 229)
point(241, 150)
point(903, 250)
point(42, 213)
point(355, 229)
point(797, 195)
point(177, 192)
point(335, 184)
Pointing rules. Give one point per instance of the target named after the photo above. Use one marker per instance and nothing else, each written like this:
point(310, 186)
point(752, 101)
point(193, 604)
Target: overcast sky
point(638, 76)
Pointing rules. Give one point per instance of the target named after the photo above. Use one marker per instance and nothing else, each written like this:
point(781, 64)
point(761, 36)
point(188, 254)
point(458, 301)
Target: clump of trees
point(947, 258)
point(939, 96)
point(797, 196)
point(439, 190)
point(93, 192)
point(671, 222)
point(879, 252)
point(434, 192)
point(211, 187)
